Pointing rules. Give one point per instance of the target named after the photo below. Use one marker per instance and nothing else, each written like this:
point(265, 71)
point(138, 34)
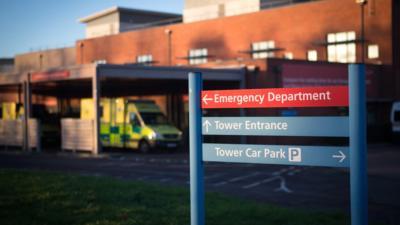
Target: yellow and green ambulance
point(136, 124)
point(11, 111)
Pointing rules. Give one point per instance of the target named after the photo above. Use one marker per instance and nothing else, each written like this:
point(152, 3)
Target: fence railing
point(12, 133)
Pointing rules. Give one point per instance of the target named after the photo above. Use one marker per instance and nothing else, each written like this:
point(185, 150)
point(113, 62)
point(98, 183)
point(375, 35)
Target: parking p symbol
point(294, 154)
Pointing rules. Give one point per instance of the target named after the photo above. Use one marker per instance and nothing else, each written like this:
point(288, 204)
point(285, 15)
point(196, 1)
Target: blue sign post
point(196, 159)
point(358, 145)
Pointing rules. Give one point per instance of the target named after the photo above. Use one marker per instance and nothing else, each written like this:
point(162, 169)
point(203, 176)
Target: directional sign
point(277, 154)
point(276, 97)
point(329, 156)
point(333, 126)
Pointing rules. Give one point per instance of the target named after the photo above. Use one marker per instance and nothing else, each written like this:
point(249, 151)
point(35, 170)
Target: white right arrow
point(341, 156)
point(206, 124)
point(205, 99)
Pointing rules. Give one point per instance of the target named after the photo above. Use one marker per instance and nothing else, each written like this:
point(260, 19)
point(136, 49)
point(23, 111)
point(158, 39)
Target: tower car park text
point(251, 153)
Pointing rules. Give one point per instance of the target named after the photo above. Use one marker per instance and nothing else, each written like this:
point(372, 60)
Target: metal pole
point(196, 162)
point(27, 112)
point(362, 34)
point(242, 112)
point(81, 51)
point(20, 89)
point(169, 50)
point(96, 107)
point(168, 32)
point(29, 90)
point(25, 145)
point(358, 145)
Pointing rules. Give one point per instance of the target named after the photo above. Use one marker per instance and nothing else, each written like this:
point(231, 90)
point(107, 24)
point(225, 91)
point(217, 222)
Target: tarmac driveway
point(292, 186)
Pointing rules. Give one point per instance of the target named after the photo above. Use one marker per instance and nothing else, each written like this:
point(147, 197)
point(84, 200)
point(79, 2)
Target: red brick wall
point(295, 28)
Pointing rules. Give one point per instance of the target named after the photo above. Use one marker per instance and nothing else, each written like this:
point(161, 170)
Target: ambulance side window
point(133, 119)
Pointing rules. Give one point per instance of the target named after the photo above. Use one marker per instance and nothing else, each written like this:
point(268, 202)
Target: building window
point(144, 59)
point(312, 55)
point(373, 51)
point(288, 55)
point(198, 56)
point(100, 61)
point(260, 49)
point(342, 47)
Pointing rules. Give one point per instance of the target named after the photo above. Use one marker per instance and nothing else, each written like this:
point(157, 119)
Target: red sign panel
point(276, 97)
point(55, 75)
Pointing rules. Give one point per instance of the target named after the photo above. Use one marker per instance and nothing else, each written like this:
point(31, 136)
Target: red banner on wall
point(308, 75)
point(330, 96)
point(54, 75)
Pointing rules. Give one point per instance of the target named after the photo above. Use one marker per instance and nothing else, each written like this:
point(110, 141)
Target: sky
point(32, 25)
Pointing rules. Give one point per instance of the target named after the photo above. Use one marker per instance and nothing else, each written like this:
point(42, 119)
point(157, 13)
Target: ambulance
point(135, 124)
point(11, 111)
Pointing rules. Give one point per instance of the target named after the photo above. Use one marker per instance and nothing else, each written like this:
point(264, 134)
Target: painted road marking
point(244, 177)
point(139, 159)
point(282, 186)
point(284, 170)
point(235, 179)
point(260, 182)
point(220, 183)
point(293, 172)
point(214, 176)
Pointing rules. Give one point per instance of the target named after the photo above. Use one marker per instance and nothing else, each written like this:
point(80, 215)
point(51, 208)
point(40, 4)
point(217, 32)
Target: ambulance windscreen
point(154, 119)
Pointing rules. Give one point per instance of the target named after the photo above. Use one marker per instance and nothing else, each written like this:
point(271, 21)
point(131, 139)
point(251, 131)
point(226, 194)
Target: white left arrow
point(206, 124)
point(205, 99)
point(341, 156)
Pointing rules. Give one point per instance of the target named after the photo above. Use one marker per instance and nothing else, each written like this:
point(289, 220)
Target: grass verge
point(33, 197)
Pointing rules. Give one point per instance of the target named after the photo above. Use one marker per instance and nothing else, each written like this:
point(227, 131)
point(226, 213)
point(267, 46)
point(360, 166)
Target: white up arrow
point(205, 99)
point(341, 156)
point(206, 124)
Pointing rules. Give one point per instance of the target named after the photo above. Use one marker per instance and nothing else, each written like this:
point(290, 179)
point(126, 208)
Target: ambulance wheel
point(144, 147)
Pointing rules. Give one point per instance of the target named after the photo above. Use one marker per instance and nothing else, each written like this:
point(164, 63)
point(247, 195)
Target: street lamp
point(81, 51)
point(362, 3)
point(40, 61)
point(168, 32)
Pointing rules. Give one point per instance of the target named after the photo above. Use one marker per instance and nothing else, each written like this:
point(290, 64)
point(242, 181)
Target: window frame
point(146, 59)
point(374, 56)
point(260, 49)
point(308, 55)
point(197, 56)
point(341, 47)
